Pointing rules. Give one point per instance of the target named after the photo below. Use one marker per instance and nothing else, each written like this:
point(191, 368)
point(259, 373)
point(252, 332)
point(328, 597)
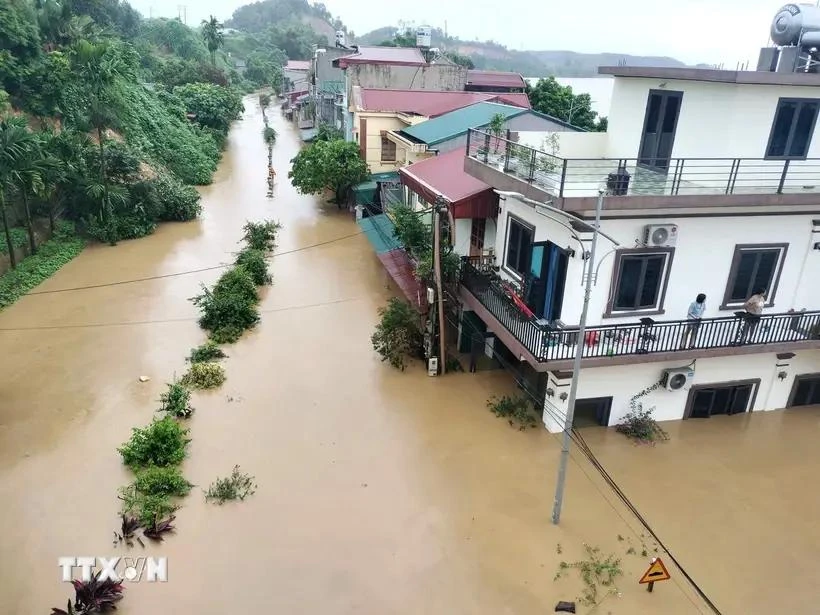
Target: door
point(592, 411)
point(709, 400)
point(660, 124)
point(548, 276)
point(479, 226)
point(805, 391)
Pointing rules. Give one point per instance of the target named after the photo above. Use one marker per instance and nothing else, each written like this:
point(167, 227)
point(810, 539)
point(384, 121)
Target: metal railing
point(568, 177)
point(549, 343)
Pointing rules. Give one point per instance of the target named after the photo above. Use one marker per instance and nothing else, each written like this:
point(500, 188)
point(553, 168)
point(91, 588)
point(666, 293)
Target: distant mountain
point(490, 55)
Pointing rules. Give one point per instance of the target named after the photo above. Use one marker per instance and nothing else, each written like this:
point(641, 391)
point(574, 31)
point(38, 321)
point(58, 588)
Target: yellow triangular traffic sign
point(656, 572)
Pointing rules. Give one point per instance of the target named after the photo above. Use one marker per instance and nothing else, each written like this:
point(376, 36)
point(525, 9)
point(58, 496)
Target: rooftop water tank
point(424, 36)
point(792, 20)
point(340, 38)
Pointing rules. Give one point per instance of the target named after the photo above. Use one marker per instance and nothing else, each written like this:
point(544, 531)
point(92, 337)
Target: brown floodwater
point(379, 491)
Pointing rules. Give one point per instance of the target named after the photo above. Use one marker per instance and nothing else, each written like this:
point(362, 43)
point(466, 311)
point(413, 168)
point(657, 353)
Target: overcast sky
point(710, 31)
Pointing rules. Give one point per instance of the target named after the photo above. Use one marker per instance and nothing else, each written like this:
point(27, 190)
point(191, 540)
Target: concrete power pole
point(439, 284)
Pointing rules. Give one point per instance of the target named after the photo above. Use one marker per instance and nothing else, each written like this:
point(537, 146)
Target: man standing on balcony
point(693, 317)
point(754, 309)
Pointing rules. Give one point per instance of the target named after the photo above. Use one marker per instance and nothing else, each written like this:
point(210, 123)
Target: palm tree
point(67, 152)
point(29, 180)
point(212, 33)
point(15, 140)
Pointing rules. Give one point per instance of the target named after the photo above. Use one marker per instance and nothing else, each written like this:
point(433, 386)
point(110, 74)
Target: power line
point(169, 320)
point(593, 460)
point(181, 273)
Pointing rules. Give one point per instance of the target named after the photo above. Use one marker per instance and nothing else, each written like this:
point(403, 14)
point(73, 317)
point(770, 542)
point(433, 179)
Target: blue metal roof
point(458, 122)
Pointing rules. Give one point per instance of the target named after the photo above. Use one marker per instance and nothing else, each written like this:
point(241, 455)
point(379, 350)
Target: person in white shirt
point(754, 309)
point(693, 316)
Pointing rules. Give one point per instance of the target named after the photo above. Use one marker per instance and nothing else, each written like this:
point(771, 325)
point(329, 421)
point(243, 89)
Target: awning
point(365, 193)
point(379, 229)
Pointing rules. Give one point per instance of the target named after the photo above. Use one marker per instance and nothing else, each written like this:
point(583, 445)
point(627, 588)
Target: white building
point(714, 188)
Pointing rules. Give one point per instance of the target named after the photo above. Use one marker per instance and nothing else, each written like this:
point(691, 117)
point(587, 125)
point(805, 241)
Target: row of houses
point(706, 183)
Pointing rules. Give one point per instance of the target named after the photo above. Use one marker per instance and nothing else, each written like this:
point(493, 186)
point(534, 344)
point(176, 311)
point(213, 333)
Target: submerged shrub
point(517, 410)
point(147, 508)
point(254, 262)
point(208, 351)
point(204, 376)
point(178, 201)
point(261, 235)
point(226, 335)
point(230, 307)
point(398, 336)
point(162, 443)
point(640, 424)
point(176, 401)
point(237, 486)
point(168, 481)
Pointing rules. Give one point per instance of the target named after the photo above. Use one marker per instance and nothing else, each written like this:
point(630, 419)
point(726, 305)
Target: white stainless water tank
point(792, 20)
point(340, 38)
point(424, 36)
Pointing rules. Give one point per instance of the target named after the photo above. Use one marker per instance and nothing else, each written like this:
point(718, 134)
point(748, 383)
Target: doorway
point(805, 391)
point(592, 412)
point(660, 124)
point(548, 276)
point(477, 229)
point(728, 398)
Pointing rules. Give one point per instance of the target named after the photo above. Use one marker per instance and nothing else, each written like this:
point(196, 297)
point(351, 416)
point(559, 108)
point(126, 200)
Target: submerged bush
point(517, 410)
point(640, 424)
point(261, 235)
point(176, 401)
point(204, 376)
point(237, 486)
point(398, 336)
point(206, 352)
point(230, 307)
point(147, 508)
point(254, 262)
point(162, 443)
point(162, 481)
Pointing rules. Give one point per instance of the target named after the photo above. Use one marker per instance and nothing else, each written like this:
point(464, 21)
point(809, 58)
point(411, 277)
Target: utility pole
point(576, 367)
point(439, 285)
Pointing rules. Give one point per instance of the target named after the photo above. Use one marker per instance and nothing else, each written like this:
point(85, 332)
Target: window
point(388, 148)
point(640, 280)
point(519, 246)
point(477, 233)
point(792, 128)
point(754, 267)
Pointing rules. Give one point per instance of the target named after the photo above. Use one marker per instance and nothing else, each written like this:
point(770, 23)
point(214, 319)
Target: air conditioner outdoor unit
point(660, 235)
point(678, 379)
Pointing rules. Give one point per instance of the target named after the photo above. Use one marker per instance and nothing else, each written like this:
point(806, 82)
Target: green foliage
point(237, 486)
point(162, 443)
point(167, 481)
point(19, 238)
point(263, 70)
point(264, 100)
point(550, 97)
point(227, 314)
point(204, 375)
point(51, 255)
point(213, 106)
point(147, 508)
point(255, 263)
point(461, 60)
point(176, 401)
point(173, 71)
point(212, 35)
point(598, 574)
point(327, 132)
point(269, 135)
point(640, 425)
point(227, 334)
point(172, 37)
point(333, 165)
point(413, 234)
point(398, 336)
point(450, 265)
point(261, 235)
point(207, 352)
point(518, 411)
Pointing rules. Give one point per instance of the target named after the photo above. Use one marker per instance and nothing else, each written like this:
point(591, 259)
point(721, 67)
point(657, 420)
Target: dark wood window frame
point(770, 292)
point(616, 279)
point(687, 410)
point(797, 380)
point(520, 221)
point(477, 239)
point(385, 151)
point(800, 102)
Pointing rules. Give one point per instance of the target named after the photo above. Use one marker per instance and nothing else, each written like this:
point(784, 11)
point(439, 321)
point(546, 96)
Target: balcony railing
point(569, 177)
point(550, 343)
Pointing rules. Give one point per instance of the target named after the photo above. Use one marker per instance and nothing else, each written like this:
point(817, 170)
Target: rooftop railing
point(569, 177)
point(553, 342)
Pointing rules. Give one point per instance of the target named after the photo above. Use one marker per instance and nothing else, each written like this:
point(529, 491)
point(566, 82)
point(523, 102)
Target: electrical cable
point(593, 460)
point(181, 273)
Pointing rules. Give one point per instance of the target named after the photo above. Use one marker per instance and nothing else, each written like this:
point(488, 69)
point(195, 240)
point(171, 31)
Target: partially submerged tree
point(328, 165)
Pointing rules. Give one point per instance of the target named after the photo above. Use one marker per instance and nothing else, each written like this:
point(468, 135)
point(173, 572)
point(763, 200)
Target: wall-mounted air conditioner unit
point(678, 379)
point(660, 235)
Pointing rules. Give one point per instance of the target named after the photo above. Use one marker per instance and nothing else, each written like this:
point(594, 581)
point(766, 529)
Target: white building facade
point(713, 181)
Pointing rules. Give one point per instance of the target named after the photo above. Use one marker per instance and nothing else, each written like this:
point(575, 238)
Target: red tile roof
point(432, 103)
point(445, 175)
point(406, 56)
point(497, 79)
point(400, 268)
point(298, 65)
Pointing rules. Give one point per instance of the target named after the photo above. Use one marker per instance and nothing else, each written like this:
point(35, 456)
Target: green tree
point(460, 59)
point(15, 142)
point(215, 107)
point(28, 177)
point(213, 37)
point(332, 165)
point(550, 97)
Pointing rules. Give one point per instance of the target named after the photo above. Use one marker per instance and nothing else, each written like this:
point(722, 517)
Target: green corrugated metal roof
point(366, 191)
point(457, 122)
point(379, 230)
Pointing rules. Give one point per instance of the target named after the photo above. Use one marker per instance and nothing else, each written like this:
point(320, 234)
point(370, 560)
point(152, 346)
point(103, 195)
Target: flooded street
point(379, 491)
